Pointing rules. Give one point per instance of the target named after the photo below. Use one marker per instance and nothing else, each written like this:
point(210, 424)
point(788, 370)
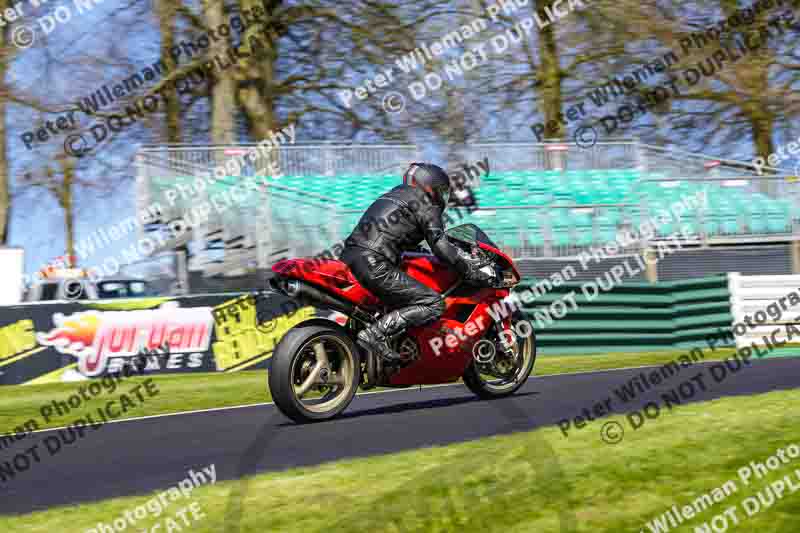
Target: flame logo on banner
point(73, 334)
point(94, 336)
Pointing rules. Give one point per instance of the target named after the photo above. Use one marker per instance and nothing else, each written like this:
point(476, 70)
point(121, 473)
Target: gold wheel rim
point(324, 369)
point(501, 385)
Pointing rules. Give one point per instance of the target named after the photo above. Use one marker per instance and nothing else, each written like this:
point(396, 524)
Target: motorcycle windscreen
point(474, 236)
point(471, 234)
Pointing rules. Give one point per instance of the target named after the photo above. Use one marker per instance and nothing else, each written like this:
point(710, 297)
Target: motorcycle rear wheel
point(315, 372)
point(479, 383)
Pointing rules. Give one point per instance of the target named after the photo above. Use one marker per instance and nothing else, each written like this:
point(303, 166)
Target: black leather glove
point(472, 269)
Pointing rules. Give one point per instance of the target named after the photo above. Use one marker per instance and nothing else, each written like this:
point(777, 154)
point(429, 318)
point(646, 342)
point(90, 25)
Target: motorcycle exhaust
point(310, 295)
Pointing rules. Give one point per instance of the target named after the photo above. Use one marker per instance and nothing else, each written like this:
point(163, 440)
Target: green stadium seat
point(582, 228)
point(535, 238)
point(516, 196)
point(561, 237)
point(511, 237)
point(757, 222)
point(606, 233)
point(539, 199)
point(711, 224)
point(583, 196)
point(562, 192)
point(777, 221)
point(613, 215)
point(631, 214)
point(729, 225)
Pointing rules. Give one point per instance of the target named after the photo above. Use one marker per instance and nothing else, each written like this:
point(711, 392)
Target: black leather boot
point(375, 338)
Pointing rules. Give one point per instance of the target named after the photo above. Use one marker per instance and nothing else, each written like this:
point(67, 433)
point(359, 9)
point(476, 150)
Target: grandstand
point(544, 203)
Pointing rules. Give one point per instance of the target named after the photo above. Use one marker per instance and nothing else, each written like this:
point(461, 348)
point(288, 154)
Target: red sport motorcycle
point(317, 366)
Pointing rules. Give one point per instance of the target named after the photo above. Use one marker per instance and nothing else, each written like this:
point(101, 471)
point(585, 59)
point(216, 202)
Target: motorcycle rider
point(396, 222)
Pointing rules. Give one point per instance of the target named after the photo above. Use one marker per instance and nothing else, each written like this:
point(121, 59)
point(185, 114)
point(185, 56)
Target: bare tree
point(167, 18)
point(60, 183)
point(746, 96)
point(6, 54)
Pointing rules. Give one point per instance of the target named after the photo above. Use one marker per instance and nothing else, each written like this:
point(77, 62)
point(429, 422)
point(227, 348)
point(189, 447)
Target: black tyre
point(491, 380)
point(315, 371)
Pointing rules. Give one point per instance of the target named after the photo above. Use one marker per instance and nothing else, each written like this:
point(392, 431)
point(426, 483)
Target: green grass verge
point(188, 392)
point(537, 481)
point(175, 393)
point(546, 365)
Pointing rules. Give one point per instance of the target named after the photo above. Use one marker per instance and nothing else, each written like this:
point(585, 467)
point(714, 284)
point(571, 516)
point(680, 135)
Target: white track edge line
point(213, 409)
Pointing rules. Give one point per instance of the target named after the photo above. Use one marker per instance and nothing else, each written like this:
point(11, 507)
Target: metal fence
point(300, 159)
point(332, 159)
point(556, 155)
point(677, 164)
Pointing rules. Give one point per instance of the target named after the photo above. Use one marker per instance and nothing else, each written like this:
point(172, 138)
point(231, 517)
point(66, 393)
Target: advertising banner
point(67, 341)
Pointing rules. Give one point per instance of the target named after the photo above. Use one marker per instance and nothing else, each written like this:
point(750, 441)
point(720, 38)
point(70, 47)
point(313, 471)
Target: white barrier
point(773, 296)
point(12, 266)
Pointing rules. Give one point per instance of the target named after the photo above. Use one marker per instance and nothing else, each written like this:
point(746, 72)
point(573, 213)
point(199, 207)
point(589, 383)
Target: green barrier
point(630, 317)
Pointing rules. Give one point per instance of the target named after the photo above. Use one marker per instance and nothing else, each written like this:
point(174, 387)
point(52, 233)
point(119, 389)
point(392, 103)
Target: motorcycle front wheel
point(315, 372)
point(508, 370)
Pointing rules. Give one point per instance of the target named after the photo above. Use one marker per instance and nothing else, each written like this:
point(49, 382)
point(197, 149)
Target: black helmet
point(430, 178)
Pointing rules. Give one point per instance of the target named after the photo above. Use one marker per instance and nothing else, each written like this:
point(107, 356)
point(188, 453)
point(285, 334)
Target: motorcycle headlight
point(509, 279)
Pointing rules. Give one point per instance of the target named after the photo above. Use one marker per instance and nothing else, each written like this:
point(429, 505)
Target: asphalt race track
point(143, 455)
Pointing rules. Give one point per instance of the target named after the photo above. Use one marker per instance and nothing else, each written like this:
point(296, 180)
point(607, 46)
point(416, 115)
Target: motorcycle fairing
point(330, 274)
point(450, 362)
point(335, 277)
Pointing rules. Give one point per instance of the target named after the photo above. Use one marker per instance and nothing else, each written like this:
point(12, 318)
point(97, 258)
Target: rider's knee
point(436, 306)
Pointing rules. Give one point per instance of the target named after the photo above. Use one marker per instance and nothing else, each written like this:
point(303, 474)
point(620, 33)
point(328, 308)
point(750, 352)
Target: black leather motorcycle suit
point(395, 223)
